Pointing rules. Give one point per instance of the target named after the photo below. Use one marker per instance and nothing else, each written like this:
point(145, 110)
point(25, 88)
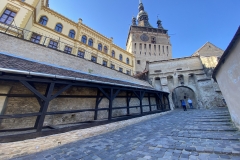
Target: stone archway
point(183, 92)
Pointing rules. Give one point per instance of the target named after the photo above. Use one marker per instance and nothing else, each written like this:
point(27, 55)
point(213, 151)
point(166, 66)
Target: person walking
point(184, 105)
point(190, 103)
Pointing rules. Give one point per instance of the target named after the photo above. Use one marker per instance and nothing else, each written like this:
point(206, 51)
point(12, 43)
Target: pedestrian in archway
point(184, 105)
point(190, 103)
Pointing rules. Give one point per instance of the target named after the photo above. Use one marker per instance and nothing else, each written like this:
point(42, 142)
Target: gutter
point(64, 77)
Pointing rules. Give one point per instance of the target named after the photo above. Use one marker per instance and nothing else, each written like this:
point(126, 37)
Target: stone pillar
point(153, 81)
point(175, 80)
point(186, 77)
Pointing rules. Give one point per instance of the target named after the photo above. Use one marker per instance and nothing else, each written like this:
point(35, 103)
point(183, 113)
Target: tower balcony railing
point(79, 52)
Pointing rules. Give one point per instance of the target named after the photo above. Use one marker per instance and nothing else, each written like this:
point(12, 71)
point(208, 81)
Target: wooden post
point(149, 101)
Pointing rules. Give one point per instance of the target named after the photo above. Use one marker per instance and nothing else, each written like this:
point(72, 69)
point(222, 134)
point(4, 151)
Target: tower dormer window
point(153, 40)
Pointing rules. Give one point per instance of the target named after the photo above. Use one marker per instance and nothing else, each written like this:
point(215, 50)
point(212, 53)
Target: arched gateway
point(183, 92)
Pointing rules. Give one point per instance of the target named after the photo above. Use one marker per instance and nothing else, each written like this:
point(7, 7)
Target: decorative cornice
point(122, 50)
point(12, 7)
point(59, 16)
point(23, 3)
point(95, 33)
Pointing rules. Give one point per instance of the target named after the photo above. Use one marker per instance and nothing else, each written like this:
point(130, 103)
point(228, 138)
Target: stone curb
point(30, 146)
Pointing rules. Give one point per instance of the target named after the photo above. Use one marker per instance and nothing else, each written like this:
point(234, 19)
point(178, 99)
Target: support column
point(98, 100)
point(140, 97)
point(129, 97)
point(110, 104)
point(149, 101)
point(44, 107)
point(43, 100)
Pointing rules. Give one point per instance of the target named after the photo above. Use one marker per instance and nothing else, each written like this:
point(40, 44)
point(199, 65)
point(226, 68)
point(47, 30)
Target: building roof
point(17, 65)
point(202, 52)
point(226, 53)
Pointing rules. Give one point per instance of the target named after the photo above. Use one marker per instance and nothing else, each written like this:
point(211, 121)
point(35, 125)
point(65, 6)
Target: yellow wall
point(29, 13)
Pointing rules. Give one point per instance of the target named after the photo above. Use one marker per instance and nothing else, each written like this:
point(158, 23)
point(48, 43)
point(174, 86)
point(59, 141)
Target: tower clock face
point(144, 37)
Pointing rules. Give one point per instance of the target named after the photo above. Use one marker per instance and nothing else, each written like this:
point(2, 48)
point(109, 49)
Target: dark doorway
point(181, 93)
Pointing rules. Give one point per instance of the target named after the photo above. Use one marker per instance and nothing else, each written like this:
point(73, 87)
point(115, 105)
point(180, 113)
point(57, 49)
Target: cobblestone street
point(191, 134)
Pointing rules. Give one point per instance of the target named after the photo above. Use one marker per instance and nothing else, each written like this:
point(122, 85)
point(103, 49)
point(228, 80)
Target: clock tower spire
point(147, 43)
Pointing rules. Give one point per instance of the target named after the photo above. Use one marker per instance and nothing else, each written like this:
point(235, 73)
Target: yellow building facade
point(33, 20)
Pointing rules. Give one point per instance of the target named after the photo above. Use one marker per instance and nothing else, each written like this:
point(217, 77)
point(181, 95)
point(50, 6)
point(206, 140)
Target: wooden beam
point(96, 104)
point(60, 91)
point(149, 102)
point(32, 89)
point(104, 93)
point(40, 120)
point(19, 115)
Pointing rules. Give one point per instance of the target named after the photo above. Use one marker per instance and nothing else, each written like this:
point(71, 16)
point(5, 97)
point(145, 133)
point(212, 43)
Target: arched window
point(90, 42)
point(43, 20)
point(84, 39)
point(113, 53)
point(71, 34)
point(58, 27)
point(120, 57)
point(127, 60)
point(105, 49)
point(100, 47)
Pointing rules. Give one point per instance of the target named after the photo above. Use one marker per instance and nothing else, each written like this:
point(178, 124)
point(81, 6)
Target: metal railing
point(95, 57)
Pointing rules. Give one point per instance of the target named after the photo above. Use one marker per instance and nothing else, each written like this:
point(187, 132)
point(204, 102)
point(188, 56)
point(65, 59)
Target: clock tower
point(146, 42)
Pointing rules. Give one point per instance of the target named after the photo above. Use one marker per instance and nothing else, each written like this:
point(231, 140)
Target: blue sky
point(190, 23)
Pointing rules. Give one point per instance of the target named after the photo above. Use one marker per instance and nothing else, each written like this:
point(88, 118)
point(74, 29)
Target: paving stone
point(166, 137)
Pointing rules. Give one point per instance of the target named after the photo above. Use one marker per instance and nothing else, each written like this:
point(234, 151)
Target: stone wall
point(189, 76)
point(228, 79)
point(208, 97)
point(26, 49)
point(23, 105)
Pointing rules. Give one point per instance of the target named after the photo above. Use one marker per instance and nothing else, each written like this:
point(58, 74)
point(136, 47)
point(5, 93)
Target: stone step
point(207, 135)
point(217, 152)
point(214, 120)
point(207, 123)
point(208, 129)
point(225, 117)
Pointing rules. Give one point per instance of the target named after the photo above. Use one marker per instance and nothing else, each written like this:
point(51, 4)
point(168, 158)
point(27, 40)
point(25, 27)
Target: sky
point(190, 23)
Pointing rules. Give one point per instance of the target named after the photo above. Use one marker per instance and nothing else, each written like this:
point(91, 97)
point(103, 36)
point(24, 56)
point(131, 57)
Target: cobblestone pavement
point(191, 134)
